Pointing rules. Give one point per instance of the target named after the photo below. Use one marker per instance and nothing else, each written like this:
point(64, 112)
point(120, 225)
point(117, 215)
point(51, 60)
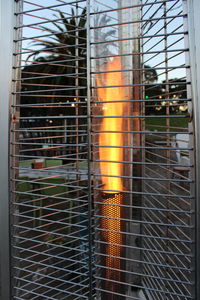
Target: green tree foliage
point(158, 95)
point(150, 74)
point(50, 81)
point(52, 71)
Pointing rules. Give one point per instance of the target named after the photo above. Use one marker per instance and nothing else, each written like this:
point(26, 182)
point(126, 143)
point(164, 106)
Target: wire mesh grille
point(169, 222)
point(149, 38)
point(50, 154)
point(102, 171)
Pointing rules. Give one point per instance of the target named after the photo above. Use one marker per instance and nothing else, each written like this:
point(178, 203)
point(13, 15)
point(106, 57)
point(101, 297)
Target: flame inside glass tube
point(112, 140)
point(111, 155)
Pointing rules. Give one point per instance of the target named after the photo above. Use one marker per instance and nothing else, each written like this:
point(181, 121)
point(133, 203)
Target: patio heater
point(104, 94)
point(112, 198)
point(115, 99)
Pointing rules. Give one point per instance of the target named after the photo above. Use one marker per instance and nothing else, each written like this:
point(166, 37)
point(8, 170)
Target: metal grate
point(50, 153)
point(168, 153)
point(149, 40)
point(102, 162)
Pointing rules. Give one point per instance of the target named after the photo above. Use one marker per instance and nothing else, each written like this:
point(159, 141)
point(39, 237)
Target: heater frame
point(6, 59)
point(193, 9)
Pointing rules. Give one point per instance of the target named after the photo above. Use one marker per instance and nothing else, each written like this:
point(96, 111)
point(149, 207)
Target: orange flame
point(111, 154)
point(110, 90)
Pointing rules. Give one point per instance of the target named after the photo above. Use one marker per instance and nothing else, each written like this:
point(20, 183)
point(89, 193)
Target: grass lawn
point(47, 163)
point(47, 184)
point(49, 188)
point(52, 188)
point(155, 123)
point(50, 163)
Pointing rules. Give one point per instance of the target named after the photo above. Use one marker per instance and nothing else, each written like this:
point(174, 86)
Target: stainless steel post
point(89, 156)
point(193, 8)
point(6, 49)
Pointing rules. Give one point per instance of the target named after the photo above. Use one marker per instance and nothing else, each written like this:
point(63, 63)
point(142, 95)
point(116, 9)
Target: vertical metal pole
point(77, 96)
point(191, 152)
point(90, 223)
point(193, 9)
point(65, 131)
point(14, 138)
point(143, 137)
point(167, 97)
point(6, 49)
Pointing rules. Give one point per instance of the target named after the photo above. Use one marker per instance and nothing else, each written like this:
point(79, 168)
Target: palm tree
point(55, 67)
point(63, 40)
point(103, 34)
point(59, 57)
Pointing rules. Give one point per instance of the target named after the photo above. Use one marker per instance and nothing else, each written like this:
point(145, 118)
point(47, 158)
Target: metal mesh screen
point(168, 172)
point(149, 40)
point(102, 162)
point(49, 159)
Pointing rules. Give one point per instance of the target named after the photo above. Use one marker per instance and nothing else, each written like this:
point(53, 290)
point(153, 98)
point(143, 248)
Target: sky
point(174, 42)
